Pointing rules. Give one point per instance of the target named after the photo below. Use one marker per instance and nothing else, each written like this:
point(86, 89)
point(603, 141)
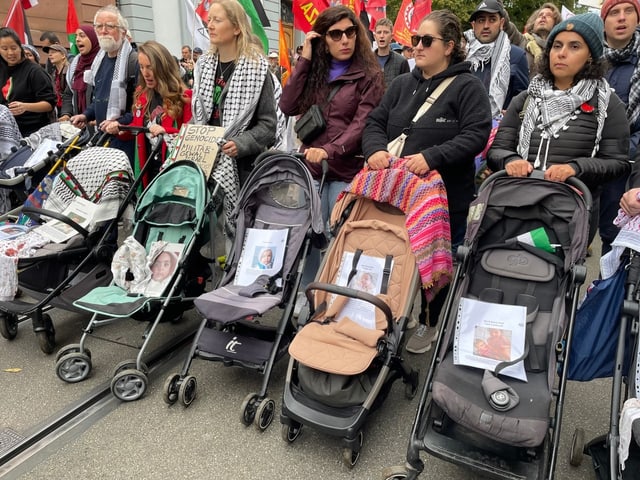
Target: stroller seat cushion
point(259, 286)
point(458, 391)
point(519, 264)
point(323, 347)
point(354, 330)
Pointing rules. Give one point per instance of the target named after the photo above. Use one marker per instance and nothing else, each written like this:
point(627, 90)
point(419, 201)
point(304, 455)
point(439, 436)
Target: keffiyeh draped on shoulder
point(238, 103)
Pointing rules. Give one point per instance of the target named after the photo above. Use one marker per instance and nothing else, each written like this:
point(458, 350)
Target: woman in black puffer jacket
point(569, 122)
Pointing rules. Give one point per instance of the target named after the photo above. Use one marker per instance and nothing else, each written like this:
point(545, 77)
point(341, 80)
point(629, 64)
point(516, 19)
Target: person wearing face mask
point(113, 76)
point(77, 95)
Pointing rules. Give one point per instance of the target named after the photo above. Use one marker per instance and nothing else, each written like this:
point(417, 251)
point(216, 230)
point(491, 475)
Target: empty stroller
point(278, 216)
point(55, 265)
point(346, 355)
point(506, 330)
point(157, 272)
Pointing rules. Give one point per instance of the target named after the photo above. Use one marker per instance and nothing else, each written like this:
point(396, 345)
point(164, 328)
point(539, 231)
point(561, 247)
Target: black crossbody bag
point(310, 125)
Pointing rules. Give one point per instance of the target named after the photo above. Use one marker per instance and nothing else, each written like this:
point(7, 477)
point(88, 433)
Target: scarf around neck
point(550, 110)
point(238, 102)
point(499, 53)
point(622, 55)
point(118, 93)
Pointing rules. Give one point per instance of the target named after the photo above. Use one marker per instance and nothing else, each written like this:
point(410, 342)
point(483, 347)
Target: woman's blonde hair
point(238, 18)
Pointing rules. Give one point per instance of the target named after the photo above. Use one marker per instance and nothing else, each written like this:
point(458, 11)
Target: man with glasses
point(391, 63)
point(502, 67)
point(113, 74)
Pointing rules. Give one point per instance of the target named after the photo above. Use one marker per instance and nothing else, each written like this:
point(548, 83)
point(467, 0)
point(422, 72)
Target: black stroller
point(522, 254)
point(58, 272)
point(278, 217)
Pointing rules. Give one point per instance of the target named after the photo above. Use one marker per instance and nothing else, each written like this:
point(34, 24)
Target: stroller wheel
point(8, 325)
point(576, 454)
point(290, 433)
point(73, 367)
point(129, 365)
point(350, 456)
point(171, 388)
point(248, 408)
point(72, 347)
point(187, 392)
point(264, 414)
point(129, 385)
point(397, 472)
point(47, 337)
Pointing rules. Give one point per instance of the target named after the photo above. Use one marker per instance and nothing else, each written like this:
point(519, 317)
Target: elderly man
point(113, 74)
point(501, 67)
point(622, 48)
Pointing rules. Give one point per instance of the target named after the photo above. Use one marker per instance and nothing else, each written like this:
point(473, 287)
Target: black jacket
point(452, 132)
point(573, 145)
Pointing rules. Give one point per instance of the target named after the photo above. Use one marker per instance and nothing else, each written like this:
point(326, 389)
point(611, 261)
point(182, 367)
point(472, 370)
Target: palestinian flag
point(17, 20)
point(72, 26)
point(537, 238)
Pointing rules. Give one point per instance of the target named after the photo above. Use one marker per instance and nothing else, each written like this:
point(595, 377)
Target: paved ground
point(149, 440)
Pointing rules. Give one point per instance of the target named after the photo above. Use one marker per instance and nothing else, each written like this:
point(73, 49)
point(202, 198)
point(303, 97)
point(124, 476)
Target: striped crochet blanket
point(424, 202)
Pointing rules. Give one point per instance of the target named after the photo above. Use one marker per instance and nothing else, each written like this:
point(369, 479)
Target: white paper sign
point(488, 334)
point(262, 254)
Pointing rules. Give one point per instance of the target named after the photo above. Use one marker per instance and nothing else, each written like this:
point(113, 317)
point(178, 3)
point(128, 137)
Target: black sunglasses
point(336, 35)
point(426, 40)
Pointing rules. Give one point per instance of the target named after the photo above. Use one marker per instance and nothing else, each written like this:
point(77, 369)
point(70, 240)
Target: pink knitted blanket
point(424, 202)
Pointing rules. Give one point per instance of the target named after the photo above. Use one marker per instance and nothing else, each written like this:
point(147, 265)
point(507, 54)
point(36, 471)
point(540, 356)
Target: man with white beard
point(113, 74)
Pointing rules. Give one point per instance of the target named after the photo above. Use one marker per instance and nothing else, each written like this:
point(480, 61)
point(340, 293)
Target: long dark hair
point(321, 58)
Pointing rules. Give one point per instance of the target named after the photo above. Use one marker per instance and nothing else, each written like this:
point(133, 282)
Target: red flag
point(305, 13)
point(401, 29)
point(72, 26)
point(284, 56)
point(203, 10)
point(421, 8)
point(17, 20)
point(29, 3)
point(376, 9)
point(354, 5)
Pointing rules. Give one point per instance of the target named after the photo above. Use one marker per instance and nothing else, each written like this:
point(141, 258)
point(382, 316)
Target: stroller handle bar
point(351, 293)
point(539, 174)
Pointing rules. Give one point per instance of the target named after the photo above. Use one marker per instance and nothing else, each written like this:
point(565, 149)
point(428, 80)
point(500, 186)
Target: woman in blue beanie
point(569, 122)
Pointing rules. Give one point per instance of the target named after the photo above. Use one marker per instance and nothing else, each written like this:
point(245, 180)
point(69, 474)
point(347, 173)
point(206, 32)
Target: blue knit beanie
point(589, 26)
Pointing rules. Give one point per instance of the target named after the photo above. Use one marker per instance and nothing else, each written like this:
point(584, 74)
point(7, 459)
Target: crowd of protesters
point(560, 96)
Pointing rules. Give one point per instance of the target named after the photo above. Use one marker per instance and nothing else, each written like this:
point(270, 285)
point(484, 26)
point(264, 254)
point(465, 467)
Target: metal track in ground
point(78, 416)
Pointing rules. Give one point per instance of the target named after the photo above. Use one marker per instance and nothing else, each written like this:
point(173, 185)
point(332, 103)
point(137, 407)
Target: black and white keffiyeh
point(499, 53)
point(550, 110)
point(118, 93)
point(9, 132)
point(238, 103)
point(621, 55)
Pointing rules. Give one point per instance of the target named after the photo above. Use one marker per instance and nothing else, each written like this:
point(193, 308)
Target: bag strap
point(431, 99)
point(332, 94)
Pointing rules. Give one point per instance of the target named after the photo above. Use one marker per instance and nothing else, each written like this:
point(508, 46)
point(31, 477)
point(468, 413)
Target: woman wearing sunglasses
point(336, 52)
point(446, 138)
point(568, 123)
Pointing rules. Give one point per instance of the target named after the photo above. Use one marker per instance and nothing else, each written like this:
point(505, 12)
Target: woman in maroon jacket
point(336, 52)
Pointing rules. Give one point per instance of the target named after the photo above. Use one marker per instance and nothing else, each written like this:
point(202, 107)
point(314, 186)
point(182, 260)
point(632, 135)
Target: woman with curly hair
point(161, 102)
point(336, 53)
point(569, 123)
